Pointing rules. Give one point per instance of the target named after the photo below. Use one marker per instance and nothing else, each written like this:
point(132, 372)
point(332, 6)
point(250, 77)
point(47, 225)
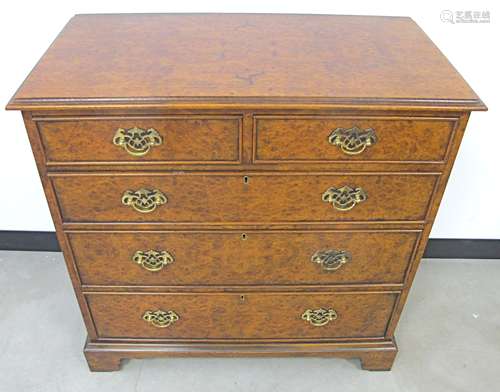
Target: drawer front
point(241, 315)
point(138, 140)
point(235, 258)
point(256, 198)
point(329, 139)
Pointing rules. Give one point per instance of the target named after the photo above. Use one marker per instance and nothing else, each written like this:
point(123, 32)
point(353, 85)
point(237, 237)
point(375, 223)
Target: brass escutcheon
point(160, 318)
point(331, 260)
point(137, 141)
point(319, 317)
point(152, 260)
point(144, 200)
point(354, 140)
point(344, 198)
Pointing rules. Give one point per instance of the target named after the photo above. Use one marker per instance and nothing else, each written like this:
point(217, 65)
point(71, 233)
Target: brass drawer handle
point(345, 198)
point(137, 141)
point(319, 317)
point(160, 318)
point(352, 141)
point(331, 260)
point(152, 260)
point(144, 200)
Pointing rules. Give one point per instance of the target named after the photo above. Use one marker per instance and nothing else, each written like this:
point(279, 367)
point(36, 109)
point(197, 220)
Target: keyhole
point(244, 236)
point(242, 298)
point(246, 180)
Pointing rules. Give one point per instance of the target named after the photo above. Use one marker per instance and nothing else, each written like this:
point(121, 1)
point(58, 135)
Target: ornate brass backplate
point(345, 198)
point(137, 141)
point(153, 260)
point(160, 318)
point(319, 317)
point(331, 260)
point(354, 140)
point(144, 200)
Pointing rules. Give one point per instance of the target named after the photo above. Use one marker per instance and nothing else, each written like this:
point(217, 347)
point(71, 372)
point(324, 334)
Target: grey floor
point(449, 340)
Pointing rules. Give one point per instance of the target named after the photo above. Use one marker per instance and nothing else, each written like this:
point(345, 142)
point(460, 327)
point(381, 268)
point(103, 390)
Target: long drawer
point(252, 198)
point(136, 140)
point(235, 258)
point(343, 138)
point(241, 315)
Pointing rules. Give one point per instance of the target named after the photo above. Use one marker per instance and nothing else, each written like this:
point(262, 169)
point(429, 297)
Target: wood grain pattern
point(225, 258)
point(305, 139)
point(245, 58)
point(242, 316)
point(225, 198)
point(244, 100)
point(373, 354)
point(37, 149)
point(185, 140)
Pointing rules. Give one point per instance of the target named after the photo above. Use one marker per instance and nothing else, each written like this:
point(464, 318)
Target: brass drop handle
point(331, 260)
point(344, 198)
point(137, 141)
point(319, 317)
point(144, 200)
point(352, 141)
point(152, 260)
point(160, 318)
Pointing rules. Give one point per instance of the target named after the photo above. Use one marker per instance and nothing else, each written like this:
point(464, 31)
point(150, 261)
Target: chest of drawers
point(243, 185)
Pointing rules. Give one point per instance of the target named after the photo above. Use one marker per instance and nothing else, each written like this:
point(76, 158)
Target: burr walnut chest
point(243, 185)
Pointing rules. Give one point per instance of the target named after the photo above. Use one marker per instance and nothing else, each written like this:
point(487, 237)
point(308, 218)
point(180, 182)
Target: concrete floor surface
point(448, 336)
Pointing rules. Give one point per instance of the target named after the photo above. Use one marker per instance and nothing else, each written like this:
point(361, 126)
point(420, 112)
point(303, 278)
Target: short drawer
point(324, 139)
point(235, 258)
point(135, 140)
point(239, 316)
point(253, 198)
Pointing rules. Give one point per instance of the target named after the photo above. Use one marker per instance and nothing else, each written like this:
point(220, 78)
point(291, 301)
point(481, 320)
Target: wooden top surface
point(168, 59)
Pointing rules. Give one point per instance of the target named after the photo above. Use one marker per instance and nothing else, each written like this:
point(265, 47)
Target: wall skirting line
point(46, 241)
point(43, 241)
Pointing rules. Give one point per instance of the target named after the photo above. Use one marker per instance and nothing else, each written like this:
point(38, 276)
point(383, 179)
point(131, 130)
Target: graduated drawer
point(232, 197)
point(132, 140)
point(325, 139)
point(235, 258)
point(241, 315)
